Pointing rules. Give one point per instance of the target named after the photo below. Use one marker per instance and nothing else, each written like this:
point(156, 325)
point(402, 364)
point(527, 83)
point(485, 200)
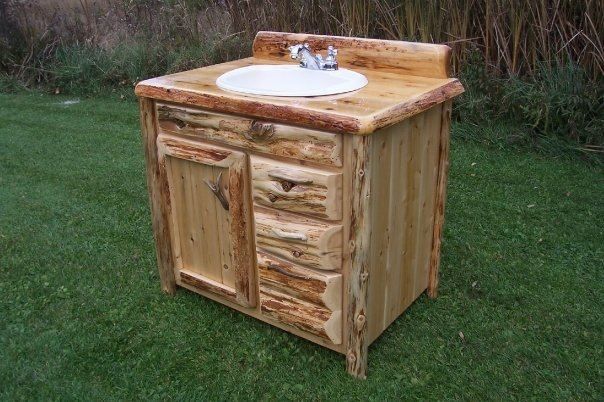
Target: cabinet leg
point(359, 241)
point(356, 363)
point(441, 195)
point(157, 184)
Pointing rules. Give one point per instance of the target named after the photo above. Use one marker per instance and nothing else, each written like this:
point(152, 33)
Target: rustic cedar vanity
point(321, 216)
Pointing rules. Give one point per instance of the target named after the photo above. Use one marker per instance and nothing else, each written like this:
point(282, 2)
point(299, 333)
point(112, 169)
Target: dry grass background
point(514, 37)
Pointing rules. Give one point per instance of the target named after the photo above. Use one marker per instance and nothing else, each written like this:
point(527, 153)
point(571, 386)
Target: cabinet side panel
point(382, 155)
point(403, 195)
point(159, 200)
point(430, 142)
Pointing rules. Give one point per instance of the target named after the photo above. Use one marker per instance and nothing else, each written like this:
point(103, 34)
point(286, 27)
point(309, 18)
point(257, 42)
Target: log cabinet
point(321, 216)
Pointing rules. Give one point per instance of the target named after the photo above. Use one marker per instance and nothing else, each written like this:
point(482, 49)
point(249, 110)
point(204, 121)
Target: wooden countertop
point(404, 79)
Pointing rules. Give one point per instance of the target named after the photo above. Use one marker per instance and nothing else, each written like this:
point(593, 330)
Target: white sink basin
point(290, 80)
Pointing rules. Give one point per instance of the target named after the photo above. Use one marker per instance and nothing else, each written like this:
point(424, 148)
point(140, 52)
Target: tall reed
point(513, 36)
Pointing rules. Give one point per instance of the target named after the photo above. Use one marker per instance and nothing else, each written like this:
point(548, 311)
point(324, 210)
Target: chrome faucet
point(314, 62)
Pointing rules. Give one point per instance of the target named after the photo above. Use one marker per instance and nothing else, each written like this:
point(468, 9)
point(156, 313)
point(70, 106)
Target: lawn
point(520, 312)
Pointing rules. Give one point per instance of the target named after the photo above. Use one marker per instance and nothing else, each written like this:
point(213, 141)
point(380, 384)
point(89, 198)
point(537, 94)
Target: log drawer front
point(309, 300)
point(271, 138)
point(299, 239)
point(300, 189)
point(297, 260)
point(211, 222)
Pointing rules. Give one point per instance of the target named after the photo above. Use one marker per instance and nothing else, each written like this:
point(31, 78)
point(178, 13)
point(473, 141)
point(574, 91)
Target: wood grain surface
point(194, 209)
point(404, 80)
point(299, 239)
point(318, 287)
point(411, 58)
point(359, 243)
point(295, 188)
point(302, 315)
point(159, 199)
point(252, 134)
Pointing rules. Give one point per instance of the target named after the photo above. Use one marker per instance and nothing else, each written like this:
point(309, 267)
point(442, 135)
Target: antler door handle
point(215, 188)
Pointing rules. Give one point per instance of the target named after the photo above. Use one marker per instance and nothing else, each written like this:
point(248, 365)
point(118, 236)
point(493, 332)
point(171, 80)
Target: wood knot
point(364, 276)
point(297, 253)
point(360, 321)
point(260, 131)
point(351, 357)
point(361, 172)
point(272, 197)
point(287, 185)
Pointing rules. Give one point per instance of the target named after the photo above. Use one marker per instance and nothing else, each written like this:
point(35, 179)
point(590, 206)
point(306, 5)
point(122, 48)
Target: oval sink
point(290, 80)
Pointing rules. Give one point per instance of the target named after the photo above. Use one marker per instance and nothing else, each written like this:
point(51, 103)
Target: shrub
point(559, 102)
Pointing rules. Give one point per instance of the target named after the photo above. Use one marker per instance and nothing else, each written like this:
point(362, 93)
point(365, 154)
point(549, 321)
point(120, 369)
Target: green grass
point(82, 315)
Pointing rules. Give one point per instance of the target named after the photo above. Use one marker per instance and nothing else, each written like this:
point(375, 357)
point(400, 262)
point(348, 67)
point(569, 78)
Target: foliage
point(560, 102)
point(89, 70)
point(557, 107)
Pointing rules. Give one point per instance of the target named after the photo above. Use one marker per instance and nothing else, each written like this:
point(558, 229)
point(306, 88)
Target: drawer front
point(299, 239)
point(302, 298)
point(304, 316)
point(299, 189)
point(276, 139)
point(321, 288)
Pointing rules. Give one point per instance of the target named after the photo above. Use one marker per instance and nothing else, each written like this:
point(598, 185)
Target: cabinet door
point(209, 207)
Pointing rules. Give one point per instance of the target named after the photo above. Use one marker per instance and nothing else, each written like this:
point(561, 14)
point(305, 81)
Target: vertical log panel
point(177, 177)
point(399, 195)
point(359, 240)
point(441, 194)
point(429, 172)
point(223, 234)
point(381, 153)
point(159, 199)
point(242, 238)
point(201, 218)
point(412, 223)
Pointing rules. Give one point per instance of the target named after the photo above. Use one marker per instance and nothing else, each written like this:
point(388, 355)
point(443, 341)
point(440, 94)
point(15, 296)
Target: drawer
point(301, 315)
point(271, 138)
point(299, 239)
point(304, 299)
point(295, 188)
point(321, 288)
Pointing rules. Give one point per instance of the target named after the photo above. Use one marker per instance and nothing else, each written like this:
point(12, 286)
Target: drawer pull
point(277, 268)
point(215, 188)
point(289, 235)
point(279, 174)
point(260, 131)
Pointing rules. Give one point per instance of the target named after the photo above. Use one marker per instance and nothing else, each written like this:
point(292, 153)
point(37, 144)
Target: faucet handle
point(332, 52)
point(330, 62)
point(295, 50)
